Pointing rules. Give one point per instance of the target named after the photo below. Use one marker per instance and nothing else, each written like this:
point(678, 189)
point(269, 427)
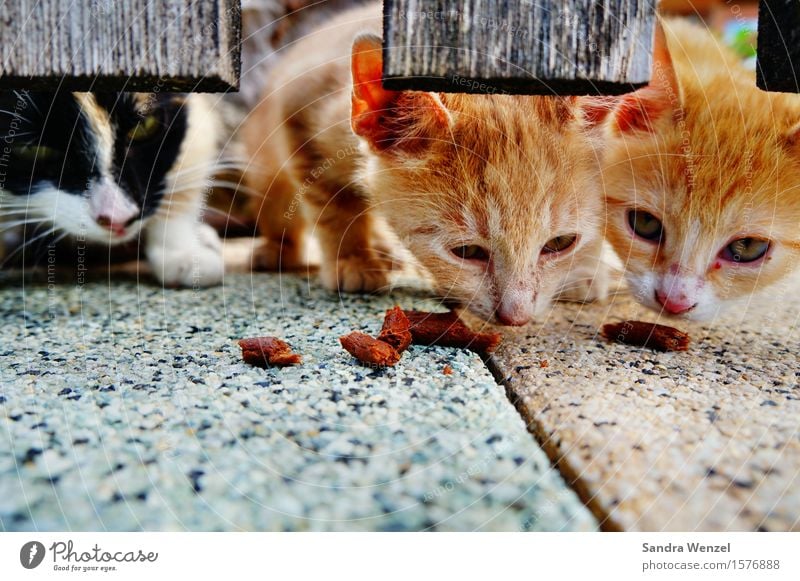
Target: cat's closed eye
point(744, 250)
point(560, 244)
point(36, 153)
point(471, 252)
point(645, 225)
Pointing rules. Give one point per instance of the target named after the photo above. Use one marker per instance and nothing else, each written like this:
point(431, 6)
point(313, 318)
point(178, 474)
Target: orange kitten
point(496, 196)
point(702, 179)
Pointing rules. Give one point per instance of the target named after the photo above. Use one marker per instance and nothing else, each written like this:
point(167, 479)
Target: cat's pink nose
point(114, 226)
point(675, 305)
point(111, 208)
point(514, 311)
point(512, 319)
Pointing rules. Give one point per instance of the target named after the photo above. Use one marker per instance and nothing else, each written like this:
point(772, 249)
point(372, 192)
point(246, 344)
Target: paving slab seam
point(559, 461)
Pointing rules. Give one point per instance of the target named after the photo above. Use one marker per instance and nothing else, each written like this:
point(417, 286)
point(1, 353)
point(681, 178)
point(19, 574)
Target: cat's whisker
point(202, 179)
point(27, 244)
point(15, 114)
point(190, 188)
point(382, 252)
point(238, 186)
point(165, 209)
point(54, 242)
point(202, 173)
point(182, 203)
point(26, 96)
point(202, 184)
point(59, 238)
point(4, 226)
point(205, 169)
point(571, 285)
point(619, 292)
point(20, 134)
point(215, 212)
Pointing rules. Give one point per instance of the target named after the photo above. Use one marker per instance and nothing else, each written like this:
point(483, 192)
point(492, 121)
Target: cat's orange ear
point(792, 138)
point(388, 118)
point(642, 109)
point(595, 110)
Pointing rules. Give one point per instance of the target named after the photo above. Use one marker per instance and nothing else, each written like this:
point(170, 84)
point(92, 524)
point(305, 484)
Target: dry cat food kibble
point(395, 329)
point(402, 328)
point(447, 330)
point(369, 350)
point(641, 334)
point(265, 351)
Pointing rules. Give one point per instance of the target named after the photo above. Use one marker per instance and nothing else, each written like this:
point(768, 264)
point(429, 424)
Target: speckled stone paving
point(704, 440)
point(124, 407)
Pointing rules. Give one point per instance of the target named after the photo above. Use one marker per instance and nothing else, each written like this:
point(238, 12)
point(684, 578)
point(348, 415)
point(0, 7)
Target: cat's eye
point(745, 250)
point(471, 252)
point(36, 153)
point(559, 244)
point(645, 225)
point(145, 129)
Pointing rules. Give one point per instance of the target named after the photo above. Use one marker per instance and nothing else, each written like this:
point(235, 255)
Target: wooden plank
point(778, 64)
point(141, 45)
point(566, 47)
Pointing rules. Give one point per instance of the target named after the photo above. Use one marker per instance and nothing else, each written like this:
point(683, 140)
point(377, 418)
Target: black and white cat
point(112, 167)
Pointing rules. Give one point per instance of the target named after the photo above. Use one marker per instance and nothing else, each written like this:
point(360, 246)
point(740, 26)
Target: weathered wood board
point(518, 46)
point(778, 66)
point(143, 45)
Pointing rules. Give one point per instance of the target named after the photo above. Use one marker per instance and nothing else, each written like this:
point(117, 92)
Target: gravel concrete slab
point(703, 440)
point(124, 406)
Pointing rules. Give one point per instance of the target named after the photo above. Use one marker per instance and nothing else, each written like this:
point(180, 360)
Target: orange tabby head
point(497, 196)
point(702, 180)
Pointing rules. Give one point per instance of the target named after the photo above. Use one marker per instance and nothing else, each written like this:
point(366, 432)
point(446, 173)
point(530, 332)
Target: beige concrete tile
point(703, 440)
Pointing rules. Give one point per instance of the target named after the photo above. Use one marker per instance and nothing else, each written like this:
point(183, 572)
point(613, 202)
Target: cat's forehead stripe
point(100, 122)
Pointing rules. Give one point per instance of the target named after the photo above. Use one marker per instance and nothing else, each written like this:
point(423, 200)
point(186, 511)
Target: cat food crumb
point(369, 350)
point(544, 363)
point(641, 334)
point(402, 328)
point(266, 351)
point(395, 330)
point(447, 330)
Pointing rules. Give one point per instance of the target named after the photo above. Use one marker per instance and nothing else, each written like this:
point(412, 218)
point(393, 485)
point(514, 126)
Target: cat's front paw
point(278, 255)
point(388, 252)
point(586, 290)
point(197, 264)
point(355, 274)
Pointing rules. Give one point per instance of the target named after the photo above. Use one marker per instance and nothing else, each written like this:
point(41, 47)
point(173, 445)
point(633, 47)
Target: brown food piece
point(369, 350)
point(265, 351)
point(395, 330)
point(544, 363)
point(447, 370)
point(447, 330)
point(639, 333)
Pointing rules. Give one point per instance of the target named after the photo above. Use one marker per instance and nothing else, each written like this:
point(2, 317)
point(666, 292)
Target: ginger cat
point(702, 178)
point(496, 196)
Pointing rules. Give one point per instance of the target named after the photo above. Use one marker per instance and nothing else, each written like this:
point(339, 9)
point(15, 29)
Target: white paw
point(590, 276)
point(208, 237)
point(198, 263)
